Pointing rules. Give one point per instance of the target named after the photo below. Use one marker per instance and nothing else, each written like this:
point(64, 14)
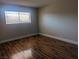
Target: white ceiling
point(31, 3)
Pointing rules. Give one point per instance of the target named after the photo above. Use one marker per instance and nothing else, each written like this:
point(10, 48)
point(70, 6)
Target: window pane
point(11, 17)
point(25, 17)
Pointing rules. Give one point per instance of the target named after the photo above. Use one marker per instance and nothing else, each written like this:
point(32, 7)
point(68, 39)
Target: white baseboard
point(18, 38)
point(62, 39)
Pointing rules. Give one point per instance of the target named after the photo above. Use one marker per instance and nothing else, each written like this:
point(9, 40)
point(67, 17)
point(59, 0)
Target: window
point(25, 17)
point(17, 17)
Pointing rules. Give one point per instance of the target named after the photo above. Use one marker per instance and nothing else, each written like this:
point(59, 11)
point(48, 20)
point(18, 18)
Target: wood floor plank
point(38, 47)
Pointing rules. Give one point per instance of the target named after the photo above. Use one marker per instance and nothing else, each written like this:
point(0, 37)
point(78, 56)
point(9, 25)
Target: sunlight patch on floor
point(27, 54)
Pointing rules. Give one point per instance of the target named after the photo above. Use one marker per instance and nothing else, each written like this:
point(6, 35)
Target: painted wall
point(59, 19)
point(9, 31)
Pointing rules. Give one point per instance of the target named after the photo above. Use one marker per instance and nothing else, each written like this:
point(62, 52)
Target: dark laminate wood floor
point(37, 47)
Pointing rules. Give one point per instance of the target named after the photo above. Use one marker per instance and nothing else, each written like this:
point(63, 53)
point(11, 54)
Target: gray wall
point(59, 19)
point(9, 31)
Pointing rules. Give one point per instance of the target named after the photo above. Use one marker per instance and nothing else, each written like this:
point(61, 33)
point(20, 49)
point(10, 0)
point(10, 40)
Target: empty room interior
point(38, 29)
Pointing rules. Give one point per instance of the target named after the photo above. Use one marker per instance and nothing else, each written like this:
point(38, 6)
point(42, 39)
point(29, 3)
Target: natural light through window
point(17, 17)
point(25, 17)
